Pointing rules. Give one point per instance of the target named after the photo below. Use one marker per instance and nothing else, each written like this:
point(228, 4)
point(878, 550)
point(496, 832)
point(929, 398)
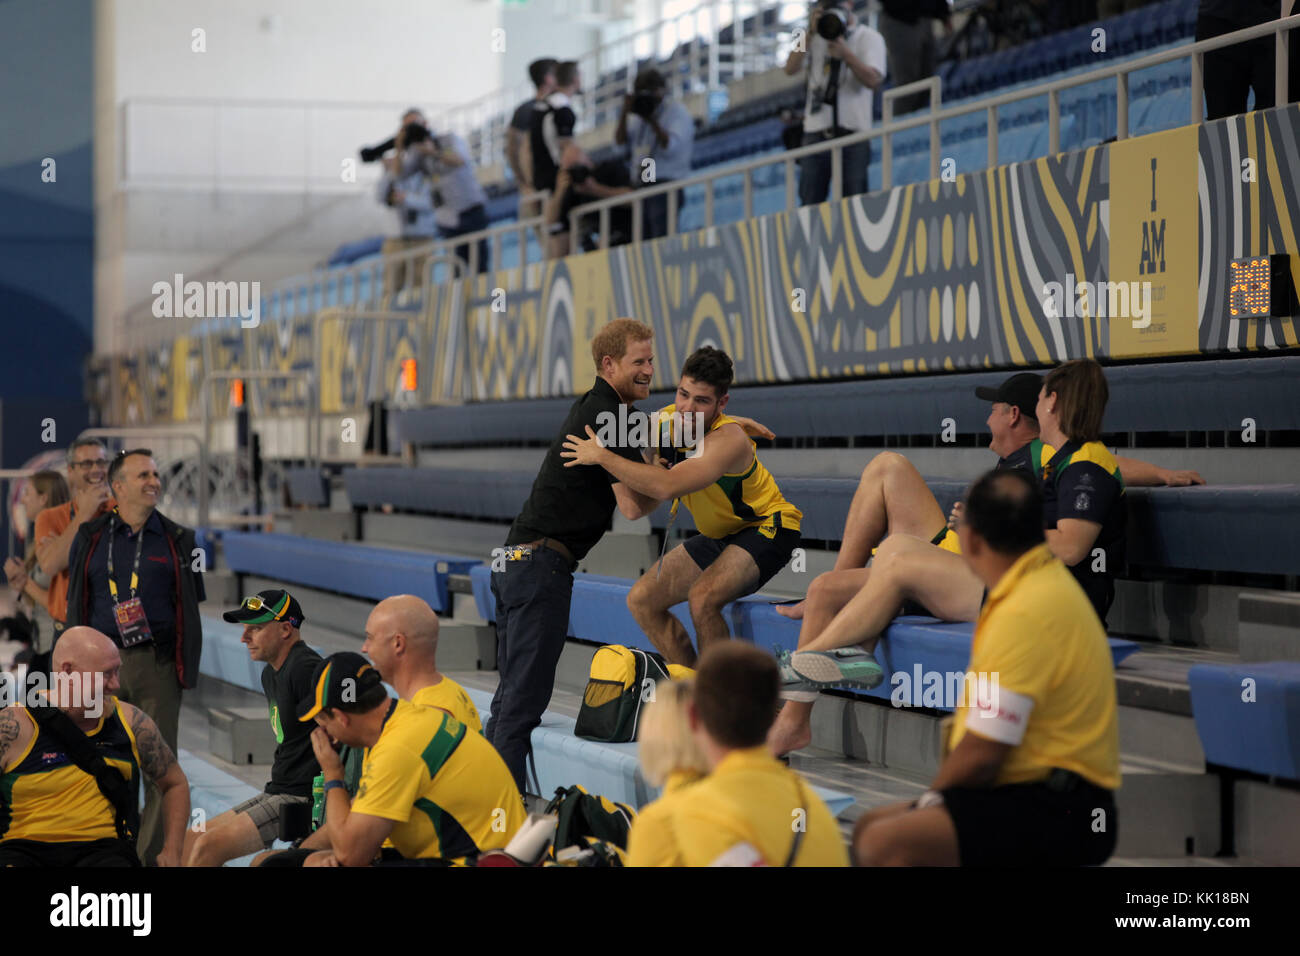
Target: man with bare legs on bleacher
point(1032, 762)
point(748, 529)
point(915, 570)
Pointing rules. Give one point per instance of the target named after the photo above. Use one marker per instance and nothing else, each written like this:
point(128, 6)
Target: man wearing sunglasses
point(135, 575)
point(57, 527)
point(271, 622)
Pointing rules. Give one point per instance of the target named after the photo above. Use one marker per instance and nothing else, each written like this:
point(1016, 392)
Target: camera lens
point(832, 24)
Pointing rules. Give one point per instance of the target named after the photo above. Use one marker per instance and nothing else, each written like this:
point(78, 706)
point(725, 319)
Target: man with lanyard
point(842, 75)
point(133, 576)
point(660, 134)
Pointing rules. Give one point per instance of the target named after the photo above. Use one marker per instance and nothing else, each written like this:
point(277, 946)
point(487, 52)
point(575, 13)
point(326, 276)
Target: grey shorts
point(264, 809)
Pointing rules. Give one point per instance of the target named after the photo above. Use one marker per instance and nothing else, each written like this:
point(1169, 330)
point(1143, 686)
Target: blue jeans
point(532, 622)
point(815, 171)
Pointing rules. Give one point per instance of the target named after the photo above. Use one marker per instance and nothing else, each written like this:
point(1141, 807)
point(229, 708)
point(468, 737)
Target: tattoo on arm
point(156, 758)
point(9, 729)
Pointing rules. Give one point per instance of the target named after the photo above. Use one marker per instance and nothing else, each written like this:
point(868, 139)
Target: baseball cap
point(1020, 390)
point(340, 678)
point(276, 604)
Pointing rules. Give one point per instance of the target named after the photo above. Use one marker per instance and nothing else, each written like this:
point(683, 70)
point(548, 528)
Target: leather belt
point(551, 543)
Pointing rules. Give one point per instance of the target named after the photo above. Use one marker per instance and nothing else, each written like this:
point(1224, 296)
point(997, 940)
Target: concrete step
point(1269, 628)
point(1265, 819)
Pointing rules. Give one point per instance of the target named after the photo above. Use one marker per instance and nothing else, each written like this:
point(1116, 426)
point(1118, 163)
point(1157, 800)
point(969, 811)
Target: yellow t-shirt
point(1054, 694)
point(745, 813)
point(452, 698)
point(652, 841)
point(446, 789)
point(737, 501)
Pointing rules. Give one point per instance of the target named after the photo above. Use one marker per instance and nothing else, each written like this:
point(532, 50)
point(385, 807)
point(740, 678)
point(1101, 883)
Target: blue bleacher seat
point(1248, 715)
point(345, 567)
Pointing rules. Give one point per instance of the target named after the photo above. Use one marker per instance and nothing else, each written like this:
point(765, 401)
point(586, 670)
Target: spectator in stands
point(430, 784)
point(402, 642)
point(1033, 761)
point(747, 529)
point(133, 576)
point(552, 132)
point(44, 489)
point(917, 571)
point(750, 810)
point(567, 512)
point(670, 758)
point(518, 150)
point(660, 136)
point(842, 76)
point(791, 127)
point(407, 189)
point(907, 27)
point(271, 621)
point(53, 811)
point(580, 181)
point(1232, 72)
point(57, 527)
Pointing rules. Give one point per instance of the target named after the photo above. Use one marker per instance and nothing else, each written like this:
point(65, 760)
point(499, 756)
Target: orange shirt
point(52, 522)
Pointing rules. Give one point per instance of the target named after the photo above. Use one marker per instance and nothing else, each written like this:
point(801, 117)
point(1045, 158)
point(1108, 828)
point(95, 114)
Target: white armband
point(1001, 715)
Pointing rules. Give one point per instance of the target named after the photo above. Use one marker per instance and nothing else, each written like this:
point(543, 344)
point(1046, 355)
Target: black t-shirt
point(295, 764)
point(562, 119)
point(1028, 457)
point(574, 505)
point(611, 172)
point(522, 119)
point(1083, 482)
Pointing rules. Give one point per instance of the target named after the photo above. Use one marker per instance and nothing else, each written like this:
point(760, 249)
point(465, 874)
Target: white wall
point(226, 163)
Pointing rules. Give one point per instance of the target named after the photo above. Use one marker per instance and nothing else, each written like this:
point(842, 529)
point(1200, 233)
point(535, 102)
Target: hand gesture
point(582, 451)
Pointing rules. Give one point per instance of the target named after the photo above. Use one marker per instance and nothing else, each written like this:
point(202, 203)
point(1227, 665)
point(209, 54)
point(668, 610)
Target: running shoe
point(842, 667)
point(793, 687)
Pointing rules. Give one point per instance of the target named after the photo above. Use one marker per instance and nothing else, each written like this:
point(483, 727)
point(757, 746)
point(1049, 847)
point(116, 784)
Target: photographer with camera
point(430, 183)
point(846, 63)
point(578, 181)
point(660, 134)
point(549, 136)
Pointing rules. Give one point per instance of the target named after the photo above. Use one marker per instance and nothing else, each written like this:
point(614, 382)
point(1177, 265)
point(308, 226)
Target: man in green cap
point(271, 621)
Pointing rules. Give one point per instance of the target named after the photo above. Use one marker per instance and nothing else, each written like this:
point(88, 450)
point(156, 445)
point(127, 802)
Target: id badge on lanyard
point(132, 623)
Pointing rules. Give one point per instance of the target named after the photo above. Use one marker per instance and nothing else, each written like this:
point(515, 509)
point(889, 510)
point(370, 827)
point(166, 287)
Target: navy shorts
point(770, 554)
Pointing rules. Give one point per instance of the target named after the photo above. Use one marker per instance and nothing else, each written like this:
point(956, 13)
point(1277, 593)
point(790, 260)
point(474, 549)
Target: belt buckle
point(518, 552)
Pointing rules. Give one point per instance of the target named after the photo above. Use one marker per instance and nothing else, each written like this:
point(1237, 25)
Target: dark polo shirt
point(573, 505)
point(157, 587)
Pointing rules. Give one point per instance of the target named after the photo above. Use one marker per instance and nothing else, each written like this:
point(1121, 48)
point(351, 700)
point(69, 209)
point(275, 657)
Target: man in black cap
point(431, 785)
point(271, 622)
point(895, 521)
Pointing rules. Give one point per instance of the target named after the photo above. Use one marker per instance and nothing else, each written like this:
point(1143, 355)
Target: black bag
point(116, 791)
point(590, 823)
point(622, 680)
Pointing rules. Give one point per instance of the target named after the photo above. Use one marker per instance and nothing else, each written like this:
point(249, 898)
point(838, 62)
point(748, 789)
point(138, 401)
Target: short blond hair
point(612, 340)
point(667, 743)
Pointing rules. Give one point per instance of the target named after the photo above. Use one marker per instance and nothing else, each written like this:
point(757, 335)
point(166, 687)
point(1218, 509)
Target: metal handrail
point(1052, 89)
point(932, 118)
point(313, 416)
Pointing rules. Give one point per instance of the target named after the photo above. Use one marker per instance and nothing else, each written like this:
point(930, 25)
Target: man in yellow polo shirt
point(434, 787)
point(402, 641)
point(1032, 765)
point(750, 810)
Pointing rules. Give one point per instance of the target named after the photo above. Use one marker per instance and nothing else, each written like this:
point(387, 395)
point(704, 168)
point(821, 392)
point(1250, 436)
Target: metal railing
point(990, 105)
point(684, 47)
